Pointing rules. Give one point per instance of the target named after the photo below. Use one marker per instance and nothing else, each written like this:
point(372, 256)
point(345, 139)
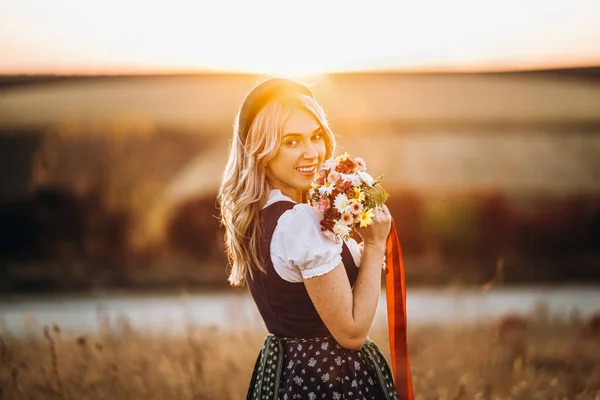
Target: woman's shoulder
point(300, 215)
point(276, 196)
point(294, 213)
point(299, 245)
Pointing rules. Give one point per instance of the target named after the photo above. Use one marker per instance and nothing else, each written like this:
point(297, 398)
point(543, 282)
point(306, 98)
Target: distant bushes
point(57, 225)
point(57, 239)
point(448, 237)
point(193, 229)
point(540, 239)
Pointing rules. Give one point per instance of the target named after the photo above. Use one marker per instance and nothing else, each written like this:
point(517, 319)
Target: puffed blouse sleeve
point(298, 244)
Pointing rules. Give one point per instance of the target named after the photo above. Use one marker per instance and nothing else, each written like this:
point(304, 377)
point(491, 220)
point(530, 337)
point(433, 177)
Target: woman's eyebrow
point(317, 130)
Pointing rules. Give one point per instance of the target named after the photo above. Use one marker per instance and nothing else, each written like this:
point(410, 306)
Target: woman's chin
point(305, 180)
point(306, 185)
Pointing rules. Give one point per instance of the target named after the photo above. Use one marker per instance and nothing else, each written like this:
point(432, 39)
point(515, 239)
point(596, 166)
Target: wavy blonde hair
point(244, 188)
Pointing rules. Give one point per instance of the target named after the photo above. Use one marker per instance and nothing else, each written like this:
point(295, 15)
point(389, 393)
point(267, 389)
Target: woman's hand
point(377, 232)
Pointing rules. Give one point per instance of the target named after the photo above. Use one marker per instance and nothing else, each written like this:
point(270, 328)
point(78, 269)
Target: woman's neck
point(295, 195)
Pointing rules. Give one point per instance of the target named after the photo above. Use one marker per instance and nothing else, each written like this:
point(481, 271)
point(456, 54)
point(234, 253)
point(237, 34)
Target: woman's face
point(300, 155)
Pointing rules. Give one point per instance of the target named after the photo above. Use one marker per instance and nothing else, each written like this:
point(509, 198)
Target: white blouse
point(298, 249)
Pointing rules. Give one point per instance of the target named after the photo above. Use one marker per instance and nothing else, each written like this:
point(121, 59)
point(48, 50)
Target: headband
point(263, 93)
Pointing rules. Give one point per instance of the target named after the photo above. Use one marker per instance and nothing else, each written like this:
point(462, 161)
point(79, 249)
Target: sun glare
point(275, 41)
point(282, 38)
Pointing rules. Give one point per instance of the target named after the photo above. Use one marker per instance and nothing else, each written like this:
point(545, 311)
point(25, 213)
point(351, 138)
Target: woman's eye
point(318, 137)
point(292, 142)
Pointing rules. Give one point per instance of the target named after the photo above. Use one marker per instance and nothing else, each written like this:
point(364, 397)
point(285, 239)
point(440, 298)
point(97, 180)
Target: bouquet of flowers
point(346, 196)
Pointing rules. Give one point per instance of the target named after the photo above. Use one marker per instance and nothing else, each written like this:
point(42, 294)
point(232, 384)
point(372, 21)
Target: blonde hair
point(244, 188)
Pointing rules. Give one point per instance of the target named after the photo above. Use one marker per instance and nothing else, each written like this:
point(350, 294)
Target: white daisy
point(342, 203)
point(352, 178)
point(366, 178)
point(341, 229)
point(327, 188)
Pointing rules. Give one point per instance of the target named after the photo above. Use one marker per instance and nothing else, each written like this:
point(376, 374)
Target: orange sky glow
point(309, 37)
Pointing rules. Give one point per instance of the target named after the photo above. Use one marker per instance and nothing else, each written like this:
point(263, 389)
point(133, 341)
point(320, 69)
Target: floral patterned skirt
point(319, 368)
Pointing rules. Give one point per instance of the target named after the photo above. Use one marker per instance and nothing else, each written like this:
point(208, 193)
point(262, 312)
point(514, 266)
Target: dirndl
point(319, 368)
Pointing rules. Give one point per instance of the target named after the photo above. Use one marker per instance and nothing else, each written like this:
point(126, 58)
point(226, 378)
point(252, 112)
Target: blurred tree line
point(79, 226)
point(460, 238)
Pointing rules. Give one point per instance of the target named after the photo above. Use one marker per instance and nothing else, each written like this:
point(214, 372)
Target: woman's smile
point(308, 170)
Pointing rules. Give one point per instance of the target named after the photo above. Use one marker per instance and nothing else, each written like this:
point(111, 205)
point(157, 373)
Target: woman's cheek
point(322, 150)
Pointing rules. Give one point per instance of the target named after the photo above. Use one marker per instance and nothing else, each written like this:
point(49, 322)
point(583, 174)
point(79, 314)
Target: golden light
point(292, 39)
point(294, 42)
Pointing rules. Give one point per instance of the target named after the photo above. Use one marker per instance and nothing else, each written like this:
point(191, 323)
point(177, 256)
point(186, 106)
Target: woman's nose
point(310, 152)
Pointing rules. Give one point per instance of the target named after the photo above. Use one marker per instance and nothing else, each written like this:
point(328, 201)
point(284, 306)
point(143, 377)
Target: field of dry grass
point(539, 357)
point(208, 103)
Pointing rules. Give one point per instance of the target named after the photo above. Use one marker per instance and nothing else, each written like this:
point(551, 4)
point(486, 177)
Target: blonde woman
point(317, 297)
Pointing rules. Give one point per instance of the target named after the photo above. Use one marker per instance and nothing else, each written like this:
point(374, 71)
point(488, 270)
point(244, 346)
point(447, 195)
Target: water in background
point(165, 314)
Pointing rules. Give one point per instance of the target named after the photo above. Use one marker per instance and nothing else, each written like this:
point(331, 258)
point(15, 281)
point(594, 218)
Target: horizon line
point(365, 71)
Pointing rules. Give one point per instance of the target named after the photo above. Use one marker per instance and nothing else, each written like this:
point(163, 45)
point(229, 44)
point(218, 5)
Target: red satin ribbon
point(395, 288)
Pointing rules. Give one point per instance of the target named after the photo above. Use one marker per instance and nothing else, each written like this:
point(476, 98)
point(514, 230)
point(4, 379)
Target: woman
point(317, 297)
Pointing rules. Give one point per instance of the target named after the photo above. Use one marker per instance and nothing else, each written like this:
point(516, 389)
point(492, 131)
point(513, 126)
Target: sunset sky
point(265, 36)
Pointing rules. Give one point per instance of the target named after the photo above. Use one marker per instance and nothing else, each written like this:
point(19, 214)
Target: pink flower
point(323, 204)
point(347, 218)
point(329, 164)
point(331, 236)
point(361, 164)
point(356, 207)
point(333, 176)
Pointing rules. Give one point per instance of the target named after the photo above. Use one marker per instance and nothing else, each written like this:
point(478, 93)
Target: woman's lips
point(307, 170)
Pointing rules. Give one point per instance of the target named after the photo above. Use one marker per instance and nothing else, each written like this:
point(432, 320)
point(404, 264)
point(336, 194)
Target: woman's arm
point(348, 313)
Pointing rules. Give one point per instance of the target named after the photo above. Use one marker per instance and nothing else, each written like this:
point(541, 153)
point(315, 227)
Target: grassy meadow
point(353, 102)
point(516, 357)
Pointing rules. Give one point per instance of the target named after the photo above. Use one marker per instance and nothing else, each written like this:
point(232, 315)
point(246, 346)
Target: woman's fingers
point(382, 212)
